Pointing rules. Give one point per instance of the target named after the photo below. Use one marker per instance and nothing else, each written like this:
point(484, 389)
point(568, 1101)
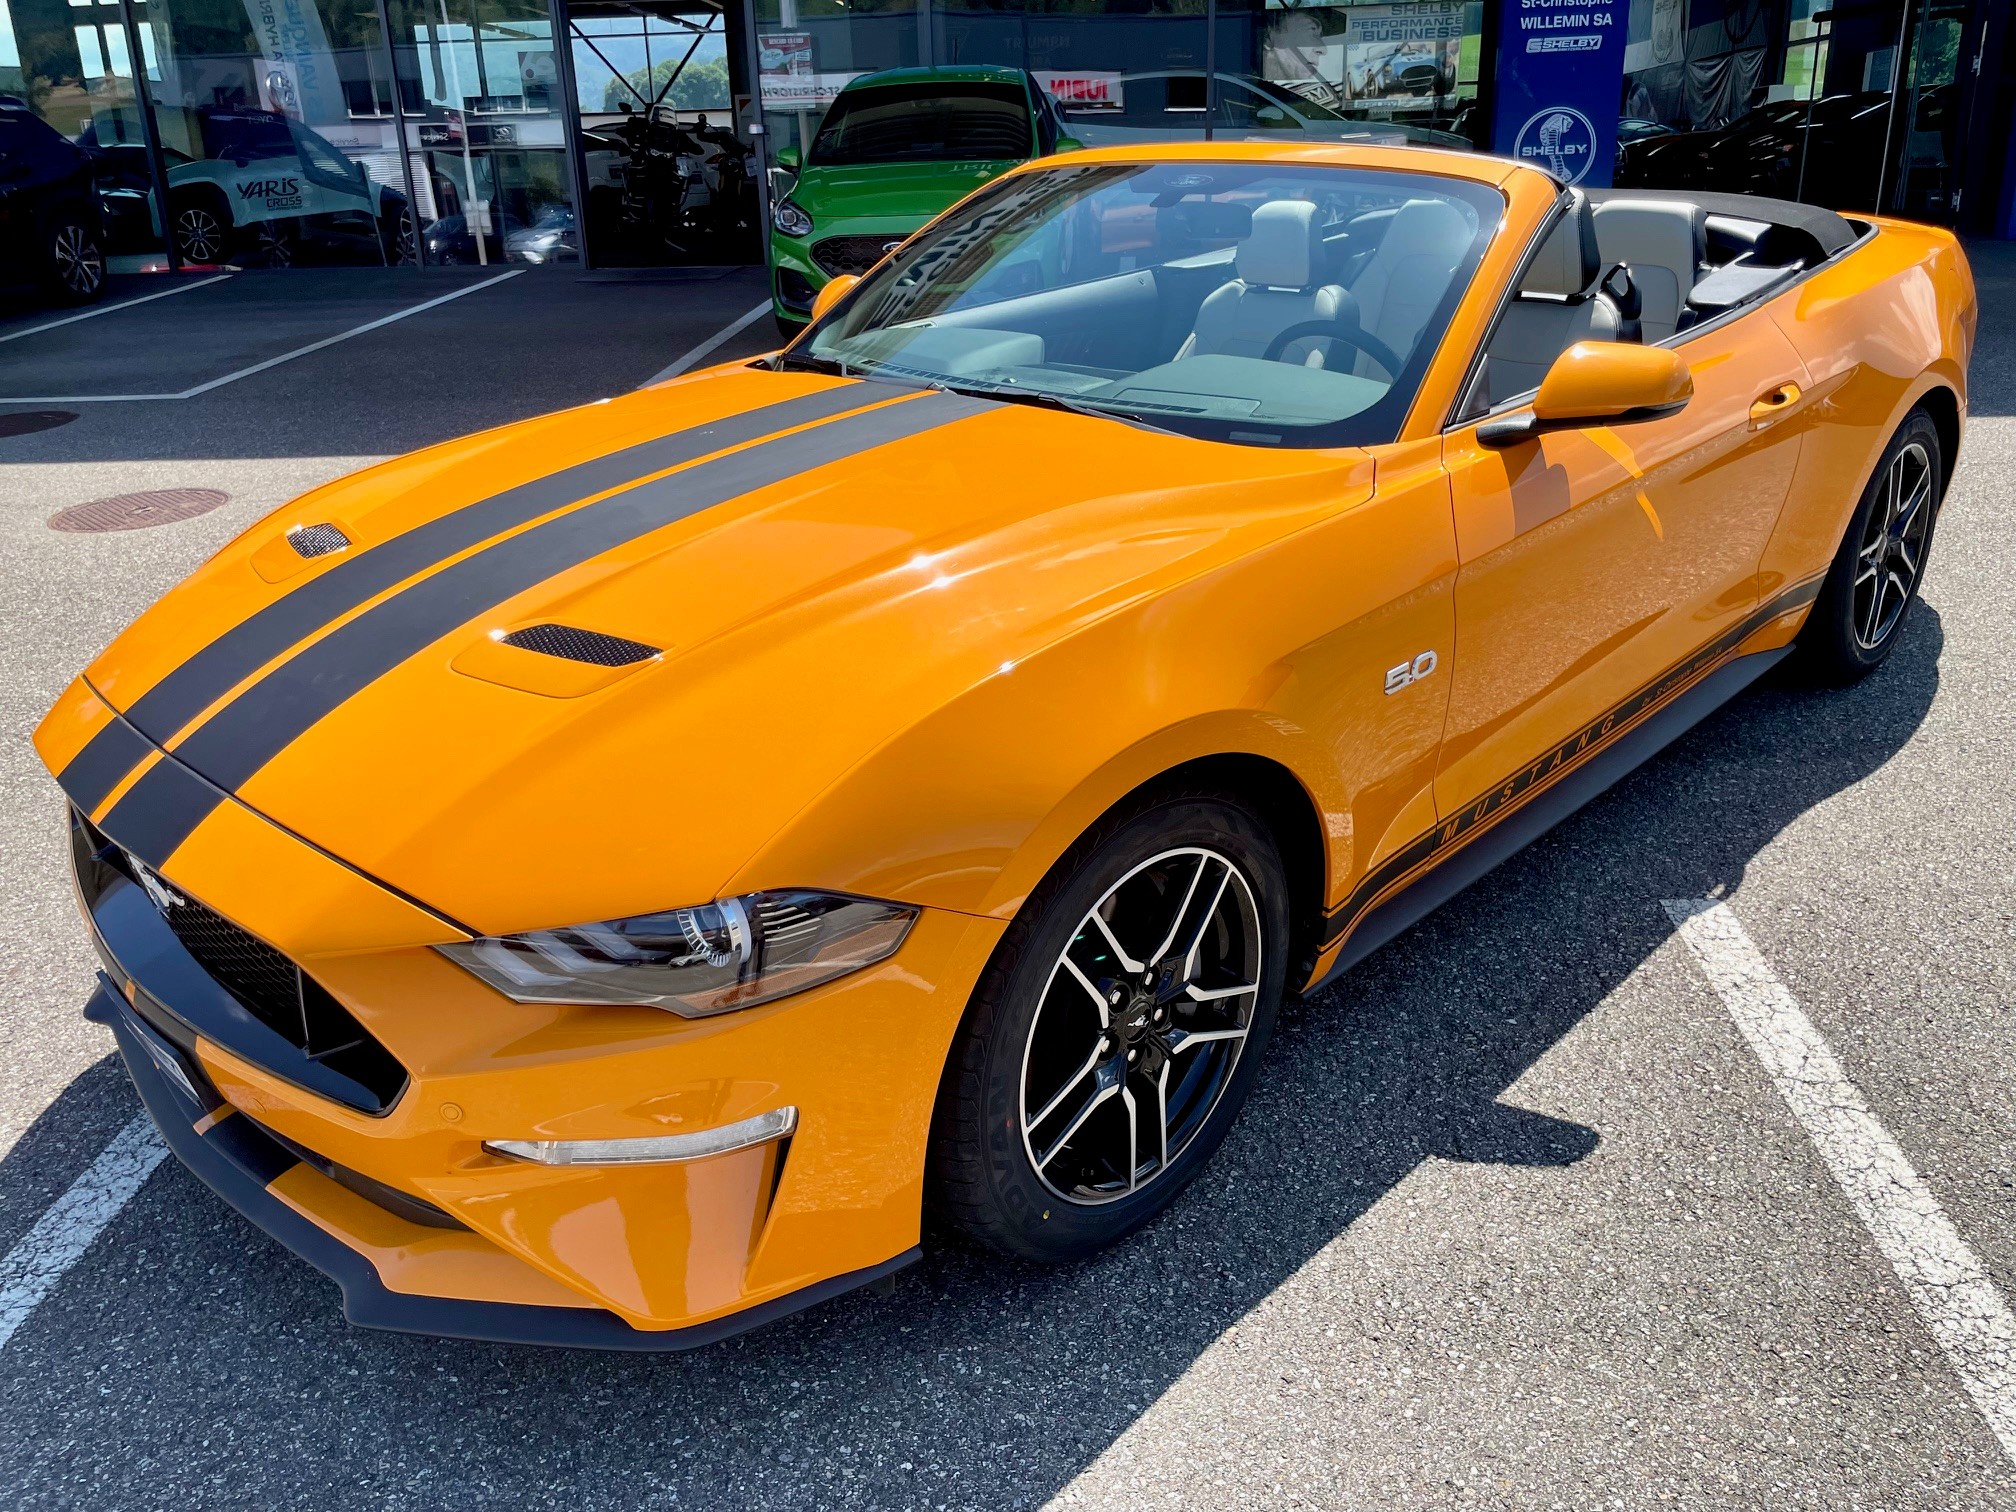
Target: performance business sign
point(1560, 81)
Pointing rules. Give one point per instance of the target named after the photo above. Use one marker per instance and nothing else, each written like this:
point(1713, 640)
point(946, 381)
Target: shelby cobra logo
point(1559, 139)
point(271, 189)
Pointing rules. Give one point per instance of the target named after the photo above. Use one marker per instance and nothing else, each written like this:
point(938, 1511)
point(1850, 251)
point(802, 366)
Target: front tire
point(202, 230)
point(73, 262)
point(1860, 614)
point(1116, 1032)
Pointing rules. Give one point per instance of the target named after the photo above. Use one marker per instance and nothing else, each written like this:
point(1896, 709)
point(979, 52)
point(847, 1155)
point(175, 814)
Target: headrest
point(1568, 260)
point(1284, 248)
point(1429, 229)
point(1646, 230)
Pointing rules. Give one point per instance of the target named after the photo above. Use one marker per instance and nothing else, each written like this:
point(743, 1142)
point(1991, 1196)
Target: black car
point(51, 232)
point(1823, 151)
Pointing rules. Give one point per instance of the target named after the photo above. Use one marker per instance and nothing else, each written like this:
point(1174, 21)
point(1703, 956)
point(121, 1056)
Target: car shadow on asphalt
point(194, 1353)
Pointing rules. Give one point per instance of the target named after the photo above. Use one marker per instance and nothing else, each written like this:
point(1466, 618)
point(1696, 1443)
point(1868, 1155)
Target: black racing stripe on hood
point(247, 646)
point(177, 801)
point(277, 710)
point(103, 763)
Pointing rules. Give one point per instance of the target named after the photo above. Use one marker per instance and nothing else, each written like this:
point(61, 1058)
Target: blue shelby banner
point(1560, 78)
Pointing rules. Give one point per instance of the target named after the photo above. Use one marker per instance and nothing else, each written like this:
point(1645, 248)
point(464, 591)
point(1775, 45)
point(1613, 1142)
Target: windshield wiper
point(1047, 399)
point(807, 362)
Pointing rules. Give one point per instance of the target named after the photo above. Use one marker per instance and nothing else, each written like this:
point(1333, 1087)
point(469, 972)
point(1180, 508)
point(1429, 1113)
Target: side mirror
point(1069, 144)
point(831, 293)
point(789, 159)
point(1598, 383)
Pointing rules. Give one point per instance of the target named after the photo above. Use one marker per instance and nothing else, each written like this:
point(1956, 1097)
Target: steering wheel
point(1338, 328)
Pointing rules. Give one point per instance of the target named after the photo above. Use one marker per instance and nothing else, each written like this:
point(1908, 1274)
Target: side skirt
point(1533, 819)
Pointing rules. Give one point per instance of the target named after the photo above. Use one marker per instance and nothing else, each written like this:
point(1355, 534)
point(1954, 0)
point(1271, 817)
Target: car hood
point(755, 622)
point(897, 192)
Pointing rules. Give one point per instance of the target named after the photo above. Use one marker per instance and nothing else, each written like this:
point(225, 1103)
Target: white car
point(264, 184)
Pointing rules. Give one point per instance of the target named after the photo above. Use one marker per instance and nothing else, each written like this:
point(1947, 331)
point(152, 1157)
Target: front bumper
point(271, 1185)
point(796, 276)
point(382, 1175)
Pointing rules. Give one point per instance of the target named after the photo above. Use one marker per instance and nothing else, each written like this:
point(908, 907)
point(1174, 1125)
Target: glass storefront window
point(808, 50)
point(665, 177)
point(70, 66)
point(482, 110)
point(267, 161)
point(1382, 72)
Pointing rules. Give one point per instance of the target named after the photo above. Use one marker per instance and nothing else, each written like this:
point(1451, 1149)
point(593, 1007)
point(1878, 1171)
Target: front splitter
point(239, 1161)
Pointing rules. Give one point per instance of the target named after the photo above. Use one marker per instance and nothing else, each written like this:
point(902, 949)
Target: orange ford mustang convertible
point(598, 881)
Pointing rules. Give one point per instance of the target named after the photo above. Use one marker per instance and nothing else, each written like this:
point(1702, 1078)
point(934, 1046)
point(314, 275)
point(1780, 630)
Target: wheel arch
point(1943, 405)
point(1273, 794)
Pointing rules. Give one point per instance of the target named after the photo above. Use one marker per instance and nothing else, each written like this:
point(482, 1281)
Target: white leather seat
point(1664, 244)
point(1401, 285)
point(1558, 305)
point(1277, 265)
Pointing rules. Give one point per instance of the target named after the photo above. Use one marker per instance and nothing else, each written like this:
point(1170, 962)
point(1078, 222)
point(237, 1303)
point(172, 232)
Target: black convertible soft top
point(1829, 230)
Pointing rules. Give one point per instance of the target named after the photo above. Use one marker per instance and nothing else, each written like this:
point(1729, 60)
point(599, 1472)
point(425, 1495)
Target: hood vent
point(571, 643)
point(316, 540)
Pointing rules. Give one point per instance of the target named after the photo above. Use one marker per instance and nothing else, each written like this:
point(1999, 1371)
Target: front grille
point(852, 254)
point(252, 971)
point(570, 643)
point(285, 998)
point(268, 985)
point(317, 540)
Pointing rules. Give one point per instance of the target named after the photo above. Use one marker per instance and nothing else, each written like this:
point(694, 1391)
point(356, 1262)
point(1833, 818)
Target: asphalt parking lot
point(1516, 1218)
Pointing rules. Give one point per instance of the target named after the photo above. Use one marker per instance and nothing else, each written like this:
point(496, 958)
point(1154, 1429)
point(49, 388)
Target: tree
point(701, 85)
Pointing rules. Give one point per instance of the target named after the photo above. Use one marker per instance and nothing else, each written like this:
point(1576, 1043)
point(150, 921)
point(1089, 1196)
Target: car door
point(1595, 561)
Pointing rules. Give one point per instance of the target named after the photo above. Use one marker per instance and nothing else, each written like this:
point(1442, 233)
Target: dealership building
point(648, 132)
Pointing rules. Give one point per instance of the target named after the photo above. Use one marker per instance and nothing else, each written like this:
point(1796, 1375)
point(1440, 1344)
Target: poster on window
point(785, 72)
point(1084, 89)
point(1395, 57)
point(1402, 56)
point(297, 74)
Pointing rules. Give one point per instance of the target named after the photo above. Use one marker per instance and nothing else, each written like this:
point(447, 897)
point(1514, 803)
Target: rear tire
point(1116, 1032)
point(269, 244)
point(1867, 597)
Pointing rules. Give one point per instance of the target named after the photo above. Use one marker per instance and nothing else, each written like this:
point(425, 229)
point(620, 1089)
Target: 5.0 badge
point(1409, 673)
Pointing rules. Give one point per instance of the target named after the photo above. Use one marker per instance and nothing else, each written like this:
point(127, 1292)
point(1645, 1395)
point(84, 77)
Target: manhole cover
point(27, 422)
point(136, 511)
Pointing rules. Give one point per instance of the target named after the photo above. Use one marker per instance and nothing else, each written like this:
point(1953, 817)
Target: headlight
point(734, 953)
point(792, 220)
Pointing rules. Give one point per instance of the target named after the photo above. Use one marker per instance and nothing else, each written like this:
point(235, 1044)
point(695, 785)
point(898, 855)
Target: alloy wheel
point(1143, 1018)
point(1893, 546)
point(80, 267)
point(198, 235)
point(272, 245)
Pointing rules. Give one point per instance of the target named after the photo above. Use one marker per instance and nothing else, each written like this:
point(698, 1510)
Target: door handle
point(1770, 406)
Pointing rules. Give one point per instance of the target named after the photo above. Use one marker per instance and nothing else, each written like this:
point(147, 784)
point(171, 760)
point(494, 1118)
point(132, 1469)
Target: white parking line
point(1948, 1285)
point(742, 324)
point(126, 304)
point(62, 1234)
point(271, 362)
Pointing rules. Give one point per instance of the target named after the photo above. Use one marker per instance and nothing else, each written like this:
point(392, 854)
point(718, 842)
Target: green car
point(894, 150)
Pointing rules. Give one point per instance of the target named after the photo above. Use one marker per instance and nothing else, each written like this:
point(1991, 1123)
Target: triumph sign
point(1560, 77)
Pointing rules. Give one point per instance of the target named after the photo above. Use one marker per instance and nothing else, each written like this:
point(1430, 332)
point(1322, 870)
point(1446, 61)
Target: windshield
point(924, 123)
point(1256, 303)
